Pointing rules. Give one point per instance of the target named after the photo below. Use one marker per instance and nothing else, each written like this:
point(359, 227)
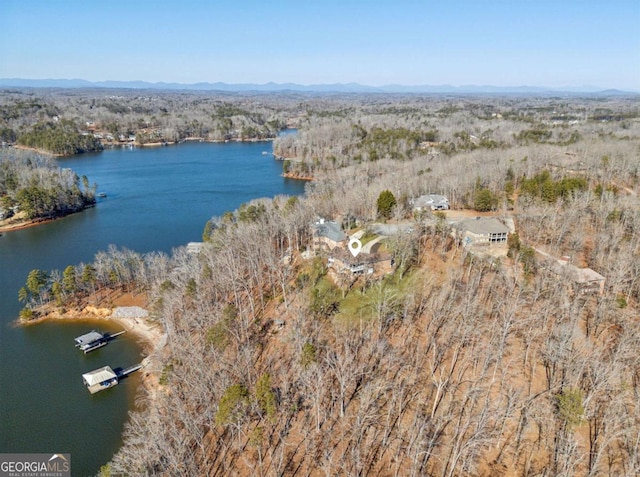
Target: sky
point(548, 43)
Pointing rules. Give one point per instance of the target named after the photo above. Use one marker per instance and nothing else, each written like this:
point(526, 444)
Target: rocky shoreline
point(298, 177)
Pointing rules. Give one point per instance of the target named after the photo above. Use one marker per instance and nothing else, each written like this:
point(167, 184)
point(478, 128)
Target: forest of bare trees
point(68, 122)
point(454, 365)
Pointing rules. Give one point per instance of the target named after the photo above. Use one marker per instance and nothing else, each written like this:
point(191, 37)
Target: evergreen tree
point(69, 279)
point(232, 404)
point(485, 200)
point(265, 396)
point(386, 203)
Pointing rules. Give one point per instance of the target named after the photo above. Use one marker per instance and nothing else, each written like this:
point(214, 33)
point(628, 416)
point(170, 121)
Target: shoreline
point(222, 141)
point(39, 151)
point(23, 224)
point(16, 223)
point(149, 336)
point(141, 327)
point(115, 144)
point(294, 176)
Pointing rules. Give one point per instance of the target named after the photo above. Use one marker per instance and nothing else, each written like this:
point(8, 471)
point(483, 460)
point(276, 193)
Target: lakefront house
point(482, 232)
point(327, 235)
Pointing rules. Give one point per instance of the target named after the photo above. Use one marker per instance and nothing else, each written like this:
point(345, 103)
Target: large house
point(194, 248)
point(584, 280)
point(430, 201)
point(376, 264)
point(482, 231)
point(327, 235)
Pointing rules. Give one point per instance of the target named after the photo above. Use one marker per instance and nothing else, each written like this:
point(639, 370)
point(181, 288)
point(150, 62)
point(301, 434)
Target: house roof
point(483, 226)
point(429, 200)
point(330, 230)
point(578, 275)
point(99, 375)
point(586, 275)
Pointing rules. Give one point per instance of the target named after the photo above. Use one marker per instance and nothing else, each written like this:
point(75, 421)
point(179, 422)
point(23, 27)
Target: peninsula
point(34, 189)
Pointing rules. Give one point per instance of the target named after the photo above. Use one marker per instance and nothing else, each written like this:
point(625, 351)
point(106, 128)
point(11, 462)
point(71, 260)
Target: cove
point(156, 199)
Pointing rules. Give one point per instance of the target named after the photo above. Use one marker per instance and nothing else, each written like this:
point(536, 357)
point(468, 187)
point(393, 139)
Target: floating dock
point(94, 340)
point(105, 377)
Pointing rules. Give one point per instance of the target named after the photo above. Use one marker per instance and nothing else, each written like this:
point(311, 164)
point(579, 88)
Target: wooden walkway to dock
point(127, 371)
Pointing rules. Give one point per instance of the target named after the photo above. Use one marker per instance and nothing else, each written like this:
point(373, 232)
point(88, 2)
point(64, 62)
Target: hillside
point(457, 367)
point(450, 358)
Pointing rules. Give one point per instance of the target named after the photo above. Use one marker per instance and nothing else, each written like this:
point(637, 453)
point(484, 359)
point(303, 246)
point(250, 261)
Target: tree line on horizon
point(67, 124)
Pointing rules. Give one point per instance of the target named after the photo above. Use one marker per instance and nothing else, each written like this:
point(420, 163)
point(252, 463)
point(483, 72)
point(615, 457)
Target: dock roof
point(89, 338)
point(98, 376)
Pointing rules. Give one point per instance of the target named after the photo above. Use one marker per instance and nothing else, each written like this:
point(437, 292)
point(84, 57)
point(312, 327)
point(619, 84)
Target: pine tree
point(386, 203)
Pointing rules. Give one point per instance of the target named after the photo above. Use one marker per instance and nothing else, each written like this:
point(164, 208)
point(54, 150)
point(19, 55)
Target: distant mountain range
point(318, 88)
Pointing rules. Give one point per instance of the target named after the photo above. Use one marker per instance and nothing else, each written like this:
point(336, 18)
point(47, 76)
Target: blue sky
point(458, 42)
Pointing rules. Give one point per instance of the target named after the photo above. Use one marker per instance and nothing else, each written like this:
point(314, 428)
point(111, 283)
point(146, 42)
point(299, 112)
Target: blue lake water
point(157, 199)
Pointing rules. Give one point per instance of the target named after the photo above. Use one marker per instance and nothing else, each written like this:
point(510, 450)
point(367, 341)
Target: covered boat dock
point(94, 340)
point(99, 379)
point(105, 377)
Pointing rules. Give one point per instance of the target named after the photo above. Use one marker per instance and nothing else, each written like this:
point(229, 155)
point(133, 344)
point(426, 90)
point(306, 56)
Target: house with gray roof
point(583, 280)
point(327, 235)
point(430, 201)
point(482, 231)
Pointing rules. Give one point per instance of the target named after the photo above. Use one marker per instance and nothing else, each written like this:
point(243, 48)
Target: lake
point(156, 199)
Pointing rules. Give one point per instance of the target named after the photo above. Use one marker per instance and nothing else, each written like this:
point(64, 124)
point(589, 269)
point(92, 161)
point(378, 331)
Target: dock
point(105, 377)
point(100, 379)
point(94, 340)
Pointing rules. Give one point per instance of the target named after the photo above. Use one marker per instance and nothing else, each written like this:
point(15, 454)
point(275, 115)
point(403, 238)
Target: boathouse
point(90, 341)
point(99, 379)
point(94, 340)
